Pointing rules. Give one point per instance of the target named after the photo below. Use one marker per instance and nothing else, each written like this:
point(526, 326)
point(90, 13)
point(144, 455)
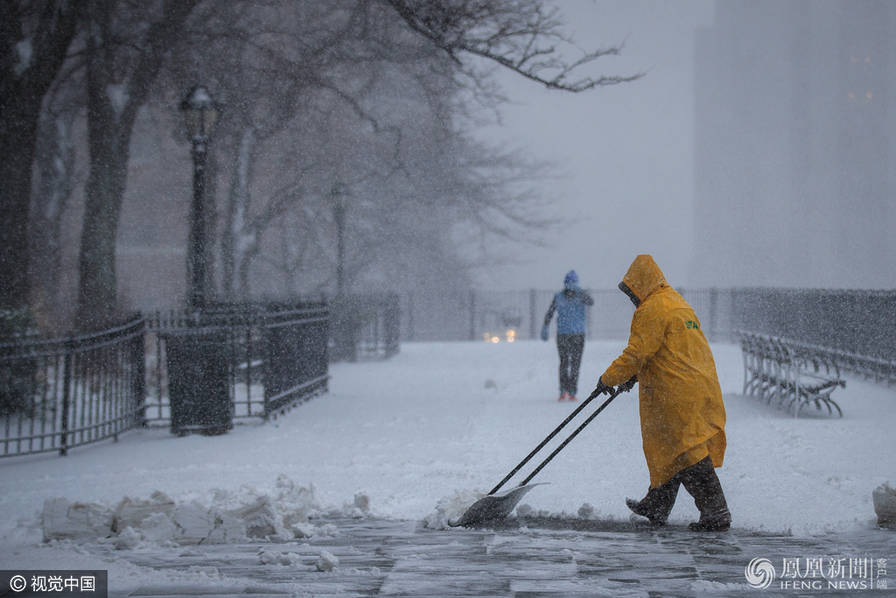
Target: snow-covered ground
point(434, 424)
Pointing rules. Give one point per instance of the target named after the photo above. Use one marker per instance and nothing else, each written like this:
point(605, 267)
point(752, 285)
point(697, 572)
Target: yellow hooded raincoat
point(682, 413)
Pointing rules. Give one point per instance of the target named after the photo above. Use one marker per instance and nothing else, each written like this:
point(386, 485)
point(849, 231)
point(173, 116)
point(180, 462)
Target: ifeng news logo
point(803, 574)
point(760, 573)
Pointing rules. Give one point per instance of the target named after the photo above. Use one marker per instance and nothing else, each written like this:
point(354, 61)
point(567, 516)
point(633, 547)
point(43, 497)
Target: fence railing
point(60, 393)
point(275, 354)
point(365, 326)
point(480, 314)
point(856, 326)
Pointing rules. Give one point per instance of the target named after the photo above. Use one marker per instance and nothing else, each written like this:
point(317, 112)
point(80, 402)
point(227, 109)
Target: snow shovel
point(493, 507)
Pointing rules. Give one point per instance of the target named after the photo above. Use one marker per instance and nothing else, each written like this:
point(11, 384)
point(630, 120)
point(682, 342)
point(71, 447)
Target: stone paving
point(523, 558)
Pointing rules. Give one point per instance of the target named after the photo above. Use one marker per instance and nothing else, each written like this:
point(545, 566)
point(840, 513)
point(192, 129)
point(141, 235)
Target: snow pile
point(884, 497)
point(326, 562)
point(272, 557)
point(282, 514)
point(450, 508)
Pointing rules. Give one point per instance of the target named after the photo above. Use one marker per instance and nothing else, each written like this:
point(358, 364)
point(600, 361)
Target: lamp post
point(338, 194)
point(200, 116)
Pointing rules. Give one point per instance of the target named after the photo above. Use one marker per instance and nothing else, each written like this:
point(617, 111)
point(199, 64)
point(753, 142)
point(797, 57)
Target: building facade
point(795, 144)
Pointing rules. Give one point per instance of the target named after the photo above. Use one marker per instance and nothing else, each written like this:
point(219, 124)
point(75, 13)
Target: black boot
point(701, 481)
point(657, 504)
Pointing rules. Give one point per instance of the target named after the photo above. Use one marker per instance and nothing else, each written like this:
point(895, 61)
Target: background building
point(795, 144)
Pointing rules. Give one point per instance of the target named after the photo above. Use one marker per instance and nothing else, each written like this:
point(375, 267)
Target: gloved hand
point(602, 388)
point(544, 333)
point(628, 384)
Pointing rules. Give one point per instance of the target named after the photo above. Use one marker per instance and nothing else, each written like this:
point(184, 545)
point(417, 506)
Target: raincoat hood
point(644, 277)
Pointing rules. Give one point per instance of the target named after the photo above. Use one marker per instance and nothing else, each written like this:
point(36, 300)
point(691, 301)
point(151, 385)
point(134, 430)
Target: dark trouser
point(570, 347)
point(701, 481)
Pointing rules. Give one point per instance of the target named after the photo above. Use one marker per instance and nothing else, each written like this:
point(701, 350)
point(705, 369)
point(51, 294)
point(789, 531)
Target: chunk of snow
point(326, 562)
point(118, 97)
point(450, 508)
point(587, 511)
point(884, 498)
point(132, 512)
point(24, 54)
point(303, 530)
point(127, 539)
point(262, 520)
point(194, 523)
point(158, 528)
point(62, 520)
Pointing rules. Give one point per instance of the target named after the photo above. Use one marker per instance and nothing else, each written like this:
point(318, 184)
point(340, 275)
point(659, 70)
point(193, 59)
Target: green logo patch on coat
point(692, 324)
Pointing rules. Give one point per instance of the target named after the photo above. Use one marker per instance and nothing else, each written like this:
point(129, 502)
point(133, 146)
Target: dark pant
point(701, 482)
point(570, 347)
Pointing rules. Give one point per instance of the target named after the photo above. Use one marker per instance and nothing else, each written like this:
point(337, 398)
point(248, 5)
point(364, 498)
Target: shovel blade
point(493, 507)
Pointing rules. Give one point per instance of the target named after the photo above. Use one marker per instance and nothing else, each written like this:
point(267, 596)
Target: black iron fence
point(365, 326)
point(60, 393)
point(205, 370)
point(264, 357)
point(858, 326)
point(485, 315)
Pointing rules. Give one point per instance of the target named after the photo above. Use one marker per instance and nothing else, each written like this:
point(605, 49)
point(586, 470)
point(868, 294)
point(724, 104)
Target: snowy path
point(400, 558)
point(437, 422)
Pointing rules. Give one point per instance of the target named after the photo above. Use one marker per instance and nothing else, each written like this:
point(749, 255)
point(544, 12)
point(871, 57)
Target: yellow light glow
point(496, 339)
point(868, 95)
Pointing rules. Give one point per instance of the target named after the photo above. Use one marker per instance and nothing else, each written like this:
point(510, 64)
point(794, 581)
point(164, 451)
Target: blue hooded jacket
point(570, 306)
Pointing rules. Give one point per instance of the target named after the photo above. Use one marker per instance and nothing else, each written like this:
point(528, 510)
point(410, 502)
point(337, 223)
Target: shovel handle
point(548, 439)
point(571, 436)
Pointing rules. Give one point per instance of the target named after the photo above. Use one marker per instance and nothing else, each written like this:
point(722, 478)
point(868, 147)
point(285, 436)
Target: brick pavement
point(525, 558)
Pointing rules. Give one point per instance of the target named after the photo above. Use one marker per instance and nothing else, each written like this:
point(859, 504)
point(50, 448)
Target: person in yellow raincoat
point(681, 408)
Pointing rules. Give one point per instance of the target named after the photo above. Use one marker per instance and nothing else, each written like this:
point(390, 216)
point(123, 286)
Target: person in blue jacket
point(570, 307)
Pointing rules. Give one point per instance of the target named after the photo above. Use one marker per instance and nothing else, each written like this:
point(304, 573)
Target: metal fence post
point(472, 314)
point(532, 314)
point(66, 393)
point(410, 335)
point(139, 363)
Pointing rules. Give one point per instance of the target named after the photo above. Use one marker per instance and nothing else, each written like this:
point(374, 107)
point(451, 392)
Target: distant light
point(496, 339)
point(868, 95)
point(510, 335)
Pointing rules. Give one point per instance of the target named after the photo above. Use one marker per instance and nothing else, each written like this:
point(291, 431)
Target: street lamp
point(338, 194)
point(200, 116)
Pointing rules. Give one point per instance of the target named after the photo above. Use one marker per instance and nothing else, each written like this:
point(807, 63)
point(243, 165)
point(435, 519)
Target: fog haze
point(774, 174)
point(623, 154)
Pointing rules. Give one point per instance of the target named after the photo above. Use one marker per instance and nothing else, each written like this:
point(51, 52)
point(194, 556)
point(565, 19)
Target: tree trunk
point(97, 288)
point(18, 131)
point(233, 240)
point(54, 161)
point(113, 100)
point(29, 61)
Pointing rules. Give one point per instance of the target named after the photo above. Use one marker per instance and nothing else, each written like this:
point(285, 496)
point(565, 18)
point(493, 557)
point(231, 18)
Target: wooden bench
point(790, 374)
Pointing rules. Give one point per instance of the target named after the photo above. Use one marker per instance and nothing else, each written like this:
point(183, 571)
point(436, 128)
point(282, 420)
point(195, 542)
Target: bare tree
point(34, 39)
point(524, 36)
point(125, 47)
point(54, 183)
